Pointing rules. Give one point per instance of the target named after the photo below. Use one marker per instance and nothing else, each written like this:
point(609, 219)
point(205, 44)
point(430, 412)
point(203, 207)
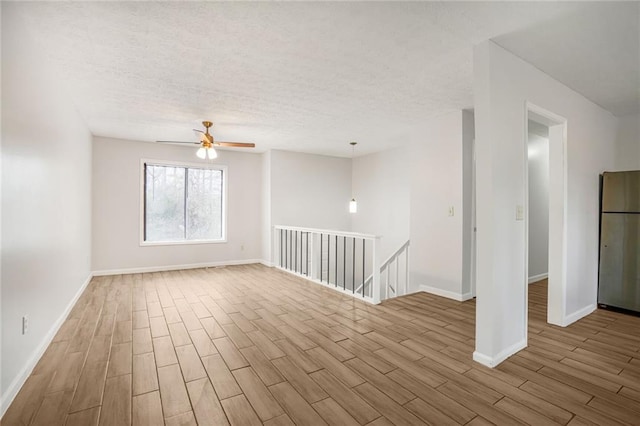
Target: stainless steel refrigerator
point(619, 281)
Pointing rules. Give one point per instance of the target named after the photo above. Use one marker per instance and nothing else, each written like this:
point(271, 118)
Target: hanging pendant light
point(353, 204)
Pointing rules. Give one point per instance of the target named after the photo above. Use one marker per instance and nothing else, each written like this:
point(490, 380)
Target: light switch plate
point(519, 212)
point(25, 324)
point(451, 211)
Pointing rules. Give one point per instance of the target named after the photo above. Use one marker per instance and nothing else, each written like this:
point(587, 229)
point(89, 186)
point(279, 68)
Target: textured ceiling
point(298, 76)
point(595, 51)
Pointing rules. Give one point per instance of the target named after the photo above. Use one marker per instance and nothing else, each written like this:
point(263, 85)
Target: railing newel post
point(375, 270)
point(397, 283)
point(406, 273)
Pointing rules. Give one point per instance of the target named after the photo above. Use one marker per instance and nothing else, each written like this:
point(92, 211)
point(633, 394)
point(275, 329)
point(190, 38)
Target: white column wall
point(503, 84)
point(468, 255)
point(46, 204)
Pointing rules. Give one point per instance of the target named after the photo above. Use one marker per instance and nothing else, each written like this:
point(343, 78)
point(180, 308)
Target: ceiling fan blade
point(236, 144)
point(194, 143)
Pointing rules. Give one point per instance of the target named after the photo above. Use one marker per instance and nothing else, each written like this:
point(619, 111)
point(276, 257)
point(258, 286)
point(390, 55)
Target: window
point(183, 203)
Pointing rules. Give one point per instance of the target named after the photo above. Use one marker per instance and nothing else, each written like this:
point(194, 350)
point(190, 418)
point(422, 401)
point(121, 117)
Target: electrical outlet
point(451, 211)
point(519, 212)
point(242, 247)
point(25, 324)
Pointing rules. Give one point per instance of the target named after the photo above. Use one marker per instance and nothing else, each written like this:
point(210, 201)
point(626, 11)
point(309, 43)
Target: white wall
point(381, 185)
point(310, 190)
point(266, 207)
point(2, 401)
point(437, 185)
point(538, 166)
point(502, 85)
point(116, 208)
point(628, 143)
point(468, 249)
point(46, 203)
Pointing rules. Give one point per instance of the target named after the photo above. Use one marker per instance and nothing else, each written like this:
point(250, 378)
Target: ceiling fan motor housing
point(207, 140)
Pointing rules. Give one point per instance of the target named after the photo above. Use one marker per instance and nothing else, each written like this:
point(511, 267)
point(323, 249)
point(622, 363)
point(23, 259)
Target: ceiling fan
point(207, 143)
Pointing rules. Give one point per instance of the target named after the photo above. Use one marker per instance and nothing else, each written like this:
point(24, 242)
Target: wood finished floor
point(249, 345)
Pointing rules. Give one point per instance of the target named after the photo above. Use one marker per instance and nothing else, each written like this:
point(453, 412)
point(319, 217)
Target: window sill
point(180, 243)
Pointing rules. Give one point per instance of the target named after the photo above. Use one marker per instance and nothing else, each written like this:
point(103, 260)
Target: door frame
point(473, 257)
point(557, 279)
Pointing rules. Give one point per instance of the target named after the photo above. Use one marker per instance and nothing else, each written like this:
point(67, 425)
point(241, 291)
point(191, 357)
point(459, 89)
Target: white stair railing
point(394, 282)
point(336, 259)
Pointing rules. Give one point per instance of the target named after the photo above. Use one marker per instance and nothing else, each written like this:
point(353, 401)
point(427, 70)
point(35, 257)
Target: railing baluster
point(284, 259)
point(290, 244)
point(281, 248)
point(286, 247)
point(321, 249)
point(363, 267)
point(328, 258)
point(353, 266)
point(388, 283)
point(300, 252)
point(397, 275)
point(344, 263)
point(336, 264)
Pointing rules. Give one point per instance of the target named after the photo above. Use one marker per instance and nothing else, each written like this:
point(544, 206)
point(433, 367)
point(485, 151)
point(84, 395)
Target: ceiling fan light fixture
point(207, 143)
point(212, 153)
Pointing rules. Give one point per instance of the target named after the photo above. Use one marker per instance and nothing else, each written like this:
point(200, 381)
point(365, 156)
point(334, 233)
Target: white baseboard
point(446, 293)
point(539, 277)
point(25, 372)
point(482, 359)
point(466, 296)
point(581, 313)
point(330, 287)
point(492, 362)
point(176, 267)
point(267, 263)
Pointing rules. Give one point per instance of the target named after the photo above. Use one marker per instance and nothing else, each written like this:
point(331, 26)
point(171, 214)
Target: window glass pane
point(164, 205)
point(204, 204)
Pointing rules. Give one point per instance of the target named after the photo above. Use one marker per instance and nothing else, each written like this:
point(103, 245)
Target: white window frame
point(225, 180)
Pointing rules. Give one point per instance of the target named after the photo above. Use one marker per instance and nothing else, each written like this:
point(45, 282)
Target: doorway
point(538, 219)
point(538, 206)
point(552, 201)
